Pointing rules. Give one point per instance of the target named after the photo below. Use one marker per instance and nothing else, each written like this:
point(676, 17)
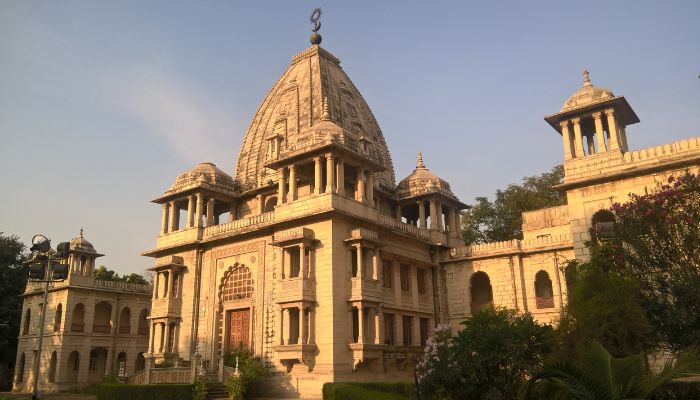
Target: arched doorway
point(72, 367)
point(125, 321)
point(98, 364)
point(236, 299)
point(544, 295)
point(481, 292)
point(52, 367)
point(121, 365)
point(102, 319)
point(140, 363)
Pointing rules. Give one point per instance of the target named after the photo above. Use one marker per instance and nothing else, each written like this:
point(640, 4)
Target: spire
point(586, 78)
point(325, 115)
point(315, 37)
point(420, 164)
point(81, 233)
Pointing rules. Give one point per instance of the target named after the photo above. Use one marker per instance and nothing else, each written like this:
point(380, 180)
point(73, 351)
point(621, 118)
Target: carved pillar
point(152, 338)
point(293, 182)
point(370, 188)
point(259, 201)
point(302, 260)
point(360, 324)
point(438, 213)
point(566, 138)
point(600, 135)
point(302, 328)
point(330, 171)
point(398, 212)
point(318, 176)
point(421, 214)
point(210, 211)
point(360, 262)
point(378, 325)
point(174, 214)
point(312, 325)
point(281, 325)
point(340, 166)
point(161, 326)
point(281, 186)
point(232, 212)
point(360, 195)
point(590, 143)
point(612, 129)
point(190, 211)
point(164, 225)
point(623, 138)
point(433, 215)
point(198, 212)
point(578, 140)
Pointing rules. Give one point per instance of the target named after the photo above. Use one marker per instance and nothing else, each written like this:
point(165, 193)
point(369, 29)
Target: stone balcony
point(296, 289)
point(363, 353)
point(164, 307)
point(179, 237)
point(365, 289)
point(290, 354)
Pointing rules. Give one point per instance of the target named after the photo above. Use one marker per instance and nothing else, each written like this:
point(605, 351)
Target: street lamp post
point(41, 265)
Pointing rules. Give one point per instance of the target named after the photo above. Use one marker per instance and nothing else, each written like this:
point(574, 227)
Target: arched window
point(102, 319)
point(481, 291)
point(27, 321)
point(140, 362)
point(238, 284)
point(20, 370)
point(57, 318)
point(125, 321)
point(78, 318)
point(143, 322)
point(121, 364)
point(270, 204)
point(603, 225)
point(544, 295)
point(72, 367)
point(52, 368)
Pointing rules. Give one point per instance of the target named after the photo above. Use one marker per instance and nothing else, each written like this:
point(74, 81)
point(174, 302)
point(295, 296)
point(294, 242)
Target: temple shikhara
point(313, 256)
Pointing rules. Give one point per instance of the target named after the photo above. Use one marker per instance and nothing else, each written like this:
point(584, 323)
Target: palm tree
point(594, 374)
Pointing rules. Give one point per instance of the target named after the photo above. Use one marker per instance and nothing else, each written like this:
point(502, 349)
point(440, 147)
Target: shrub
point(362, 391)
point(199, 389)
point(111, 391)
point(250, 367)
point(678, 390)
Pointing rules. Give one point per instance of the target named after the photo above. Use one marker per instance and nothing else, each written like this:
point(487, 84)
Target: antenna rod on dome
point(315, 37)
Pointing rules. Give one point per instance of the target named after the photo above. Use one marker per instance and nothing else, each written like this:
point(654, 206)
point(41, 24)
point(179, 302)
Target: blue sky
point(103, 104)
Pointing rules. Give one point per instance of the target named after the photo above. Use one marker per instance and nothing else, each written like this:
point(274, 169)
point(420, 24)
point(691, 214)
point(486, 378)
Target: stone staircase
point(215, 389)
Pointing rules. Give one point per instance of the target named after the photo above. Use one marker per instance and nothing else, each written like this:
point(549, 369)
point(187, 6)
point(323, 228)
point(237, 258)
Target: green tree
point(593, 374)
point(107, 274)
point(658, 245)
point(13, 279)
point(501, 219)
point(605, 306)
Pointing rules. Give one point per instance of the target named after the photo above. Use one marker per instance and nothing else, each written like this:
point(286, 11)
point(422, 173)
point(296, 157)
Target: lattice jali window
point(238, 285)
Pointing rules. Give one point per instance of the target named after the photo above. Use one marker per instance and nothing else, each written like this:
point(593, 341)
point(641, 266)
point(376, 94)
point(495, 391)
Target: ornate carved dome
point(296, 103)
point(422, 181)
point(587, 95)
point(204, 173)
point(79, 243)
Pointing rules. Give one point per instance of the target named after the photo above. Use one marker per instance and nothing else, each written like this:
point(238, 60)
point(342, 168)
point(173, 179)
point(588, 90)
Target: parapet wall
point(493, 249)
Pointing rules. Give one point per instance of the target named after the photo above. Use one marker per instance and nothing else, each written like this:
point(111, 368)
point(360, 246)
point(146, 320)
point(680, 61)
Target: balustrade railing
point(101, 328)
point(240, 223)
point(393, 223)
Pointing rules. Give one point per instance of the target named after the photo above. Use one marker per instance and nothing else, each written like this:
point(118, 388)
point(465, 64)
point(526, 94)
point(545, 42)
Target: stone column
point(566, 137)
point(578, 140)
point(379, 326)
point(293, 182)
point(281, 325)
point(259, 201)
point(318, 175)
point(210, 212)
point(623, 138)
point(198, 212)
point(312, 325)
point(340, 166)
point(164, 225)
point(190, 211)
point(156, 284)
point(360, 195)
point(421, 214)
point(152, 338)
point(360, 262)
point(232, 212)
point(600, 135)
point(438, 213)
point(166, 326)
point(452, 220)
point(302, 330)
point(174, 214)
point(330, 171)
point(360, 324)
point(433, 215)
point(370, 188)
point(281, 186)
point(302, 260)
point(590, 143)
point(612, 129)
point(375, 264)
point(289, 326)
point(398, 212)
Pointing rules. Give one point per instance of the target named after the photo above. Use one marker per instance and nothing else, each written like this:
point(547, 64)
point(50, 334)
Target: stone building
point(92, 328)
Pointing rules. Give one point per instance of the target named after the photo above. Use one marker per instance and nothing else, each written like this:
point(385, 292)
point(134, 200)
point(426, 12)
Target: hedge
point(678, 390)
point(116, 391)
point(363, 391)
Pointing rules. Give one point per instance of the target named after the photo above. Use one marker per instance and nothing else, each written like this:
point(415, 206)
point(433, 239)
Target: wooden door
point(239, 328)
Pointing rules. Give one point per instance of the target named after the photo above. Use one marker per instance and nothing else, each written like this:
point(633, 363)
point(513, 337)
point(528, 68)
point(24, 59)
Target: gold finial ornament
point(420, 164)
point(586, 78)
point(315, 37)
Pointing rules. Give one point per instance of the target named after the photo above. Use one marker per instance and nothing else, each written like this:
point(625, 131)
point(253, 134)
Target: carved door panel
point(238, 329)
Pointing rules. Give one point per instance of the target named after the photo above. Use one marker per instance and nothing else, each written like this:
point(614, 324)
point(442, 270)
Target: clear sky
point(103, 104)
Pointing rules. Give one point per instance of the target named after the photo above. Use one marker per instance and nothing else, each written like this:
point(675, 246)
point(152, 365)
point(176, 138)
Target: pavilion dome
point(313, 91)
point(587, 95)
point(79, 243)
point(422, 181)
point(207, 173)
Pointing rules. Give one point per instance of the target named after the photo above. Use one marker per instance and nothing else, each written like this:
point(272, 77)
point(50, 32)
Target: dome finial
point(81, 233)
point(315, 37)
point(586, 78)
point(325, 115)
point(420, 164)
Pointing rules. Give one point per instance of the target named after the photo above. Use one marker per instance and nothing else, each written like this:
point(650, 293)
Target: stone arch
point(544, 295)
point(102, 322)
point(57, 318)
point(78, 318)
point(143, 322)
point(236, 284)
point(20, 369)
point(125, 321)
point(121, 364)
point(270, 204)
point(72, 367)
point(481, 291)
point(27, 321)
point(52, 367)
point(140, 363)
